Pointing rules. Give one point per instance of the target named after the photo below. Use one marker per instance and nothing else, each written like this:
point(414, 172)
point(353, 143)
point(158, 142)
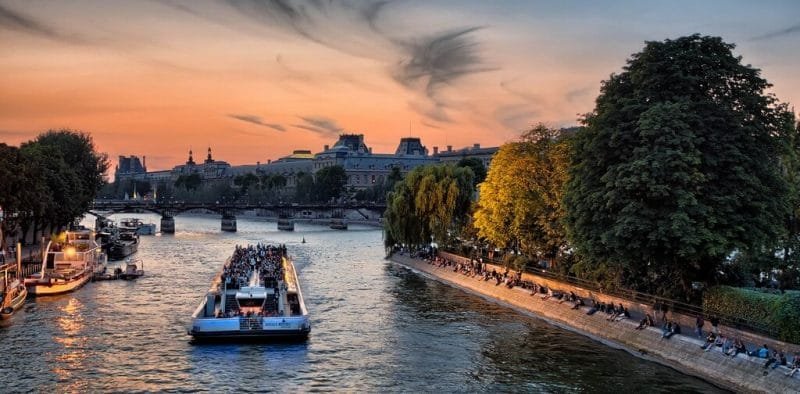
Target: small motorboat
point(133, 270)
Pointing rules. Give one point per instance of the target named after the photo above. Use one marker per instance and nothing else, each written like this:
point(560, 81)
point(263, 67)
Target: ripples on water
point(375, 327)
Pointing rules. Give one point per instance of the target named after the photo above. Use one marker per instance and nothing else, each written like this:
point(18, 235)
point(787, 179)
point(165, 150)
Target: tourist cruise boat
point(256, 296)
point(67, 264)
point(137, 226)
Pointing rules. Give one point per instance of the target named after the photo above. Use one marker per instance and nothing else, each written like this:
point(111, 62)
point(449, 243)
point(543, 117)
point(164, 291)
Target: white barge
point(256, 296)
point(67, 264)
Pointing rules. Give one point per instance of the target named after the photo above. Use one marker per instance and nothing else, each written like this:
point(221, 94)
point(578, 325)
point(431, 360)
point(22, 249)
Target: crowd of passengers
point(245, 259)
point(728, 346)
point(267, 259)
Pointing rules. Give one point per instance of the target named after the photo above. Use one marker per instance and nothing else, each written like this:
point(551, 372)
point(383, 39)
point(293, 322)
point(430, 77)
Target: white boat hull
point(46, 287)
point(261, 328)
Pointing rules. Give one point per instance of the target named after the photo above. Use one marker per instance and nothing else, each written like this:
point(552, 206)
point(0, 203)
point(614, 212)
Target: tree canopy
point(678, 167)
point(430, 204)
point(520, 202)
point(50, 180)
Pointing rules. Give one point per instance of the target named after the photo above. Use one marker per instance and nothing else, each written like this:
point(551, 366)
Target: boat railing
point(250, 323)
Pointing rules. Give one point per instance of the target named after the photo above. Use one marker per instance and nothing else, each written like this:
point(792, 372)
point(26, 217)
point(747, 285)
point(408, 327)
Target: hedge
point(777, 313)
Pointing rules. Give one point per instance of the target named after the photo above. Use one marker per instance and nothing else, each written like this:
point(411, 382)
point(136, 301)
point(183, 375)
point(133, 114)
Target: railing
point(250, 323)
point(643, 298)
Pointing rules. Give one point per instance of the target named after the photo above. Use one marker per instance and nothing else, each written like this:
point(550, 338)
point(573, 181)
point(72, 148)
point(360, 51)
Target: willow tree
point(520, 204)
point(430, 204)
point(677, 168)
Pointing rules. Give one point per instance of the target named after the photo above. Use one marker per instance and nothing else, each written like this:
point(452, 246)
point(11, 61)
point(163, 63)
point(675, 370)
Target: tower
point(209, 160)
point(191, 160)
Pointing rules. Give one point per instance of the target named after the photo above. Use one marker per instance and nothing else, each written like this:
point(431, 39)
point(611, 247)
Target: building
point(363, 167)
point(454, 156)
point(129, 166)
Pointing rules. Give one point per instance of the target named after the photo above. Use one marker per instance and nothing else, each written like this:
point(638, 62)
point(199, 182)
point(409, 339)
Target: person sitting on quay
point(578, 303)
point(763, 352)
point(709, 341)
point(647, 321)
point(727, 345)
point(738, 347)
point(795, 364)
point(670, 329)
point(775, 359)
point(624, 315)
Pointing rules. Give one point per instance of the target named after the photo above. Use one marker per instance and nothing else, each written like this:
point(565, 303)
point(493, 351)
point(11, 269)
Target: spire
point(191, 160)
point(208, 158)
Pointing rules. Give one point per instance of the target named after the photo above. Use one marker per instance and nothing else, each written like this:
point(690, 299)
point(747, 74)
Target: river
point(376, 326)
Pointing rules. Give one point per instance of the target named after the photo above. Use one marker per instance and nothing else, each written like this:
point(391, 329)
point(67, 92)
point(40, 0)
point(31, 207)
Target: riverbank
point(681, 352)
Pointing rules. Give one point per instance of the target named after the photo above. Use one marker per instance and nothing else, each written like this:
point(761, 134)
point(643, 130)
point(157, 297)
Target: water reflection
point(376, 327)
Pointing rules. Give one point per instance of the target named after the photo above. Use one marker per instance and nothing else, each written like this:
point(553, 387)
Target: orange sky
point(255, 80)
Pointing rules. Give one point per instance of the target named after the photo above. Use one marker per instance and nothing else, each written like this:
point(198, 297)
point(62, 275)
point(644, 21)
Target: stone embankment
point(682, 352)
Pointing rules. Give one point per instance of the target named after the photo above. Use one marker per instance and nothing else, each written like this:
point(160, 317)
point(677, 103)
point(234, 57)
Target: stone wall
point(681, 352)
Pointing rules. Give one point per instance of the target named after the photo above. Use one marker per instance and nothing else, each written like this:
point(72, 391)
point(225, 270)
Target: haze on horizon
point(255, 80)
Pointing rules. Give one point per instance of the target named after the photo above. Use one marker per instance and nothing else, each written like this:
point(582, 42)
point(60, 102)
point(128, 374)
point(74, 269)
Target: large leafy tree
point(330, 183)
point(431, 203)
point(677, 168)
point(520, 204)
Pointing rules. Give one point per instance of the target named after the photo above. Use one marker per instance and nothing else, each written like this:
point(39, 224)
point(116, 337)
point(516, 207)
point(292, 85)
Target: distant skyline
point(255, 80)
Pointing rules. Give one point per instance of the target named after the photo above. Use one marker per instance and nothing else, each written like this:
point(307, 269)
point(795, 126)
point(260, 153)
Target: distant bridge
point(228, 211)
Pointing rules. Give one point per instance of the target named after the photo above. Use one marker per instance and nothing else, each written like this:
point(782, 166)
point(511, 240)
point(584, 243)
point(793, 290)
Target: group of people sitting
point(729, 346)
point(266, 259)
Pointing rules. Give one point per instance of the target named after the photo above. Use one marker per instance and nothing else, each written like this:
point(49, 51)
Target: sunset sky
point(255, 80)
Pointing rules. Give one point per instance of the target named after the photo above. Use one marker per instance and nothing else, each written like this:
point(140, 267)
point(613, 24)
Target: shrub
point(775, 313)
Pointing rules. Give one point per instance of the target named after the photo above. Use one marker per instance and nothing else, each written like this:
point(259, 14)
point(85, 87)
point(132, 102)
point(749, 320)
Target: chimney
point(370, 150)
point(258, 163)
point(435, 150)
point(144, 163)
point(476, 146)
point(269, 161)
point(449, 148)
point(326, 147)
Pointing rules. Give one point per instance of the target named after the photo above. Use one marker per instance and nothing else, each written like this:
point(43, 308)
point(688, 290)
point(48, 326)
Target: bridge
point(168, 210)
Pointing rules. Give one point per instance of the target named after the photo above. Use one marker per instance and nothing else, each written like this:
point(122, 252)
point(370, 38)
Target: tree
point(189, 182)
point(330, 183)
point(431, 203)
point(520, 204)
point(304, 188)
point(676, 169)
point(477, 168)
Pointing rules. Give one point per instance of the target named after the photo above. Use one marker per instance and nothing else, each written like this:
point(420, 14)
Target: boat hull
point(147, 229)
point(119, 251)
point(269, 329)
point(15, 305)
point(39, 288)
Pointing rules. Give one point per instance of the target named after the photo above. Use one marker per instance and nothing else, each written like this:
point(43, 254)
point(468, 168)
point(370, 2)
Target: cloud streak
point(424, 63)
point(783, 32)
point(16, 21)
point(320, 125)
point(256, 120)
point(437, 61)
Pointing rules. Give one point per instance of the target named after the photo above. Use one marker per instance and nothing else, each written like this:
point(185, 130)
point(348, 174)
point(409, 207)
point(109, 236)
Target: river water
point(375, 327)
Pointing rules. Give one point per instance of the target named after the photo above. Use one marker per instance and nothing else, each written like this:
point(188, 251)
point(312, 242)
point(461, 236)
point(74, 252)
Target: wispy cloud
point(515, 116)
point(783, 32)
point(427, 63)
point(436, 61)
point(256, 120)
point(320, 125)
point(575, 94)
point(13, 20)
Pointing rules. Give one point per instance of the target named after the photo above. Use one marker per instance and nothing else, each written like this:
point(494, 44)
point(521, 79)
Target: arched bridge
point(228, 211)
